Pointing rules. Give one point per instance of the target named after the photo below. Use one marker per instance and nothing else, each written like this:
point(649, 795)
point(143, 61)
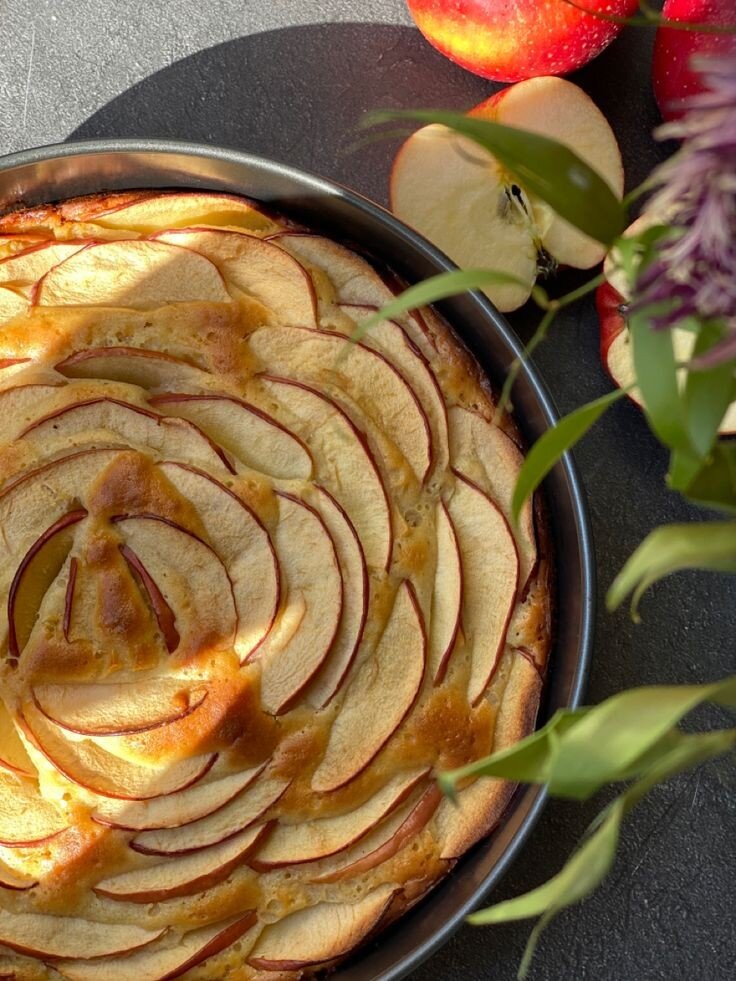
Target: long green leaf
point(656, 375)
point(707, 393)
point(669, 549)
point(551, 445)
point(545, 168)
point(714, 483)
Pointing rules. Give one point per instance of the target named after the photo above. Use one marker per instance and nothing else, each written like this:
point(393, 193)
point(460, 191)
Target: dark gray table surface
point(289, 79)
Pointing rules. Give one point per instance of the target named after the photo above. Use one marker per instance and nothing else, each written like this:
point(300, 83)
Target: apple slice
point(306, 627)
point(133, 366)
point(256, 268)
point(26, 819)
point(226, 822)
point(385, 841)
point(9, 879)
point(131, 273)
point(11, 244)
point(333, 362)
point(118, 709)
point(94, 769)
point(197, 595)
point(172, 438)
point(172, 956)
point(490, 572)
point(176, 209)
point(29, 266)
point(382, 690)
point(441, 182)
point(22, 403)
point(165, 617)
point(256, 440)
point(320, 933)
point(13, 756)
point(182, 876)
point(243, 544)
point(11, 305)
point(174, 810)
point(355, 595)
point(344, 462)
point(308, 841)
point(446, 596)
point(38, 935)
point(490, 458)
point(37, 570)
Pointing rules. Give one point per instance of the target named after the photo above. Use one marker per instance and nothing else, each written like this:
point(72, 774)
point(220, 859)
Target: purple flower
point(693, 269)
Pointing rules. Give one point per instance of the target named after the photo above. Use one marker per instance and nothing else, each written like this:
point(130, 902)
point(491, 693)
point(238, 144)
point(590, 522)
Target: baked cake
point(259, 585)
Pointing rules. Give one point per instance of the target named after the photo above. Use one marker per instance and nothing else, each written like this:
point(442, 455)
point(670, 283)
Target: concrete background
point(290, 79)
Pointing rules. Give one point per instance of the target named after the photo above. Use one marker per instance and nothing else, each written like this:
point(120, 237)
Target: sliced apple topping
point(345, 464)
point(13, 756)
point(26, 819)
point(257, 268)
point(308, 841)
point(177, 209)
point(53, 937)
point(446, 596)
point(226, 822)
point(9, 879)
point(307, 624)
point(319, 933)
point(490, 571)
point(133, 366)
point(382, 689)
point(137, 274)
point(182, 876)
point(169, 957)
point(332, 361)
point(256, 440)
point(92, 768)
point(11, 305)
point(29, 266)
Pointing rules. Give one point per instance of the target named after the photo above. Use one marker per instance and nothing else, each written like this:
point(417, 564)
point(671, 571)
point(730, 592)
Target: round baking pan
point(56, 172)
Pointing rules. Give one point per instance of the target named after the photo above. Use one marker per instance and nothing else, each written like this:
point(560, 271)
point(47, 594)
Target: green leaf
point(669, 549)
point(656, 376)
point(437, 288)
point(544, 167)
point(551, 445)
point(707, 393)
point(714, 483)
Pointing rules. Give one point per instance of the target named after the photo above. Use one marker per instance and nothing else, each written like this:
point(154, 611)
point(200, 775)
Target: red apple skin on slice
point(165, 617)
point(133, 366)
point(258, 441)
point(383, 689)
point(13, 882)
point(490, 567)
point(319, 933)
point(345, 464)
point(446, 596)
point(257, 268)
point(161, 962)
point(243, 544)
point(183, 876)
point(305, 630)
point(29, 266)
point(134, 273)
point(52, 937)
point(26, 819)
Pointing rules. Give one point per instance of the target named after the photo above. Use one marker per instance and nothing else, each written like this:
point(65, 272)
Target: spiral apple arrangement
point(258, 585)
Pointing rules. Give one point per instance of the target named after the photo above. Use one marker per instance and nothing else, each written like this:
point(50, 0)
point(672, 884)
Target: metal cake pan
point(54, 172)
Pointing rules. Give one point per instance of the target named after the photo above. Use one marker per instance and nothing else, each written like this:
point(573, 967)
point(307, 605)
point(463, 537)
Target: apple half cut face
point(258, 586)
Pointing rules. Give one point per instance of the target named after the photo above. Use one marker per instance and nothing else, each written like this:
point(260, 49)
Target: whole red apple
point(511, 41)
point(672, 74)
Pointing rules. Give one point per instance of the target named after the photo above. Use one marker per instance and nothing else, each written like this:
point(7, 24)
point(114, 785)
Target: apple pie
point(259, 585)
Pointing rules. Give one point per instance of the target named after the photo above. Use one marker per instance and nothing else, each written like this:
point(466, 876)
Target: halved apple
point(446, 596)
point(226, 822)
point(94, 769)
point(26, 818)
point(383, 689)
point(308, 841)
point(242, 544)
point(257, 440)
point(174, 810)
point(131, 273)
point(172, 438)
point(319, 933)
point(490, 568)
point(171, 957)
point(441, 182)
point(182, 876)
point(490, 458)
point(256, 268)
point(133, 366)
point(336, 364)
point(118, 709)
point(344, 462)
point(306, 627)
point(29, 266)
point(39, 935)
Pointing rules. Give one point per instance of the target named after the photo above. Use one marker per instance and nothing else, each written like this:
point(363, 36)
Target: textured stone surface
point(290, 79)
